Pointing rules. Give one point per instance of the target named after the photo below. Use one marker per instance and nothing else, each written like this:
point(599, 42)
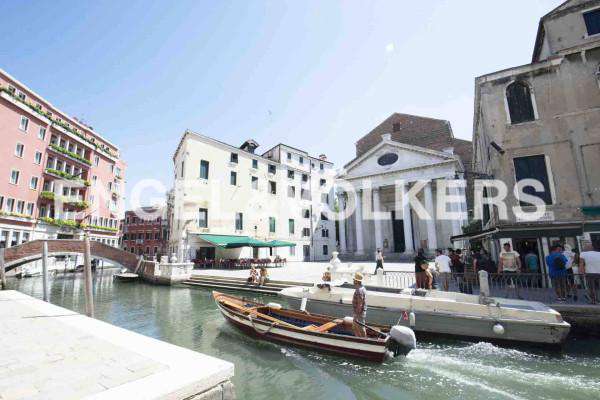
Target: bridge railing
point(573, 289)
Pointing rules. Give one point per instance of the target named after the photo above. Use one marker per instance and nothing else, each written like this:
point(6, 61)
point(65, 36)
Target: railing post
point(2, 271)
point(45, 295)
point(484, 285)
point(87, 271)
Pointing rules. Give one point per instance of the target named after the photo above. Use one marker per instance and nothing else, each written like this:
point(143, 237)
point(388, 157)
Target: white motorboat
point(441, 313)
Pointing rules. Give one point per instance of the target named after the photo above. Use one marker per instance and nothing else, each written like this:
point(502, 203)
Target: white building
point(225, 195)
point(402, 152)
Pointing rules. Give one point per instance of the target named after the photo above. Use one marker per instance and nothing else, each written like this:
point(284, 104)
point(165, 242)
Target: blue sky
point(316, 75)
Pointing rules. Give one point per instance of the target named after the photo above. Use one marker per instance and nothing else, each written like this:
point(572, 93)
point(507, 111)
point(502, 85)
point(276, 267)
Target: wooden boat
point(270, 322)
point(125, 276)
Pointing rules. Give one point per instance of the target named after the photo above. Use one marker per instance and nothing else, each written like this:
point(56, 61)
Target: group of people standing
point(568, 269)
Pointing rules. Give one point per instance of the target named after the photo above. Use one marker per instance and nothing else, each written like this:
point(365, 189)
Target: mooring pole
point(46, 296)
point(2, 272)
point(87, 271)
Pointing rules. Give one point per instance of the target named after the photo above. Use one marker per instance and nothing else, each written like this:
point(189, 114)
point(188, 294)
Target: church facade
point(404, 157)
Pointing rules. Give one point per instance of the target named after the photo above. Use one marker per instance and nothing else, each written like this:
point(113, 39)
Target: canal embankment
point(50, 352)
point(584, 318)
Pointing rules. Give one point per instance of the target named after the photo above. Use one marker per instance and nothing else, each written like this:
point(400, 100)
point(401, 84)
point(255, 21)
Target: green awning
point(280, 243)
point(257, 243)
point(226, 241)
point(233, 241)
point(591, 210)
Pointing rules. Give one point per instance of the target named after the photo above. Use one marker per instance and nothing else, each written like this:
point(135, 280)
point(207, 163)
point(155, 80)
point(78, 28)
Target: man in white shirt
point(509, 264)
point(442, 264)
point(509, 260)
point(589, 266)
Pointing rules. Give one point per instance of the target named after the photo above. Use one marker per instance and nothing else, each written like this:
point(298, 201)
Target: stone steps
point(370, 258)
point(239, 284)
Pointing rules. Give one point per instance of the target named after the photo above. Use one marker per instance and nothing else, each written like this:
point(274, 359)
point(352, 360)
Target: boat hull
point(450, 325)
point(370, 350)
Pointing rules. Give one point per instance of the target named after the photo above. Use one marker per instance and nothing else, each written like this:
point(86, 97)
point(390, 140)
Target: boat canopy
point(234, 242)
point(280, 243)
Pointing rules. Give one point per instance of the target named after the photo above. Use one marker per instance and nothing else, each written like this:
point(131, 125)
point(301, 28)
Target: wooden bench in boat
point(254, 311)
point(325, 327)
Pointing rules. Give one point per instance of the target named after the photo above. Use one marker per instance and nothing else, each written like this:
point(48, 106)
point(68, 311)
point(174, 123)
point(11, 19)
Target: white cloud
point(390, 47)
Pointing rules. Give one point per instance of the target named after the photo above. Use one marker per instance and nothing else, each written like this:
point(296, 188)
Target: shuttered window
point(239, 221)
point(202, 218)
point(271, 224)
point(592, 21)
point(520, 106)
point(533, 167)
point(204, 169)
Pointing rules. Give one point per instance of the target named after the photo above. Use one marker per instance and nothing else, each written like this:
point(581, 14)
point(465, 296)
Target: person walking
point(378, 261)
point(589, 266)
point(442, 264)
point(557, 266)
point(359, 307)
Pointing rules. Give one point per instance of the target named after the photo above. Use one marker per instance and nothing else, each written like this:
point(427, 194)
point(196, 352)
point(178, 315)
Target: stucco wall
point(567, 100)
point(224, 200)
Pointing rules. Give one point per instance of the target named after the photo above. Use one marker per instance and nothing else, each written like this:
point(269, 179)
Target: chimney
point(322, 157)
point(249, 145)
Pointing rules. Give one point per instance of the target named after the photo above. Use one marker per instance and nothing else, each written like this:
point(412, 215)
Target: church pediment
point(392, 156)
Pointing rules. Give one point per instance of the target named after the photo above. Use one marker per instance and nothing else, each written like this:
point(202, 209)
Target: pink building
point(57, 174)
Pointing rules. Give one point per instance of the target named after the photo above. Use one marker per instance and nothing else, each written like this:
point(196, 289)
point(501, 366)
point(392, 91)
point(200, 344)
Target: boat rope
point(258, 330)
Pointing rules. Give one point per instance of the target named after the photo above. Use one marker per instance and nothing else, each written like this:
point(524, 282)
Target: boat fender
point(274, 306)
point(498, 329)
point(412, 319)
point(303, 304)
point(405, 339)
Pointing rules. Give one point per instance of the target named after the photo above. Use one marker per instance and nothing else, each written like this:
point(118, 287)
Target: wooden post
point(87, 271)
point(2, 272)
point(46, 296)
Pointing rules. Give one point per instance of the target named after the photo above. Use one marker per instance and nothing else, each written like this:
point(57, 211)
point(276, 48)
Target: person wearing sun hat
point(359, 306)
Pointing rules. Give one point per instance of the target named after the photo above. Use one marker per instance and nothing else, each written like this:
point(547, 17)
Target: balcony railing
point(76, 202)
point(65, 175)
point(70, 154)
point(38, 109)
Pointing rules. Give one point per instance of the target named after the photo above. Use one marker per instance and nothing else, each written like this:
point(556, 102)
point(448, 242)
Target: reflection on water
point(436, 370)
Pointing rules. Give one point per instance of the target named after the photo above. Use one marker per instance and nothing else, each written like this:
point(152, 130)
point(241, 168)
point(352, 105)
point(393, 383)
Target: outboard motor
point(402, 340)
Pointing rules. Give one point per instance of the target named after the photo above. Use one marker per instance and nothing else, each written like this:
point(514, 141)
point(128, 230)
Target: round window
point(387, 159)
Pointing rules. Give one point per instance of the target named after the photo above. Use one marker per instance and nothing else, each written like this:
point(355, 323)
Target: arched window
point(520, 105)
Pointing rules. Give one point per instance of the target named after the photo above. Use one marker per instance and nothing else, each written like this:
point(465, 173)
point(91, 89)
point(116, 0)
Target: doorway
point(524, 246)
point(595, 237)
point(398, 233)
point(306, 252)
point(205, 253)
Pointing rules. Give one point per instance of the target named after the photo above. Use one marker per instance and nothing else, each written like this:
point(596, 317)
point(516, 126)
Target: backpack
point(559, 263)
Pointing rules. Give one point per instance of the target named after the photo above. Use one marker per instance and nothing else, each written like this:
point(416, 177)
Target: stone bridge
point(32, 251)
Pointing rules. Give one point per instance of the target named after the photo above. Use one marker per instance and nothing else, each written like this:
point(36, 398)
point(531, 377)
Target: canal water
point(436, 370)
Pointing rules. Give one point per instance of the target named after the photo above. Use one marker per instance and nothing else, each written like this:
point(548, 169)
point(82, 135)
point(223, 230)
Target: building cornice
point(56, 109)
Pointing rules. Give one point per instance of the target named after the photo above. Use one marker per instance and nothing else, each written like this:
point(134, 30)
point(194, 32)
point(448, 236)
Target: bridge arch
point(32, 251)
